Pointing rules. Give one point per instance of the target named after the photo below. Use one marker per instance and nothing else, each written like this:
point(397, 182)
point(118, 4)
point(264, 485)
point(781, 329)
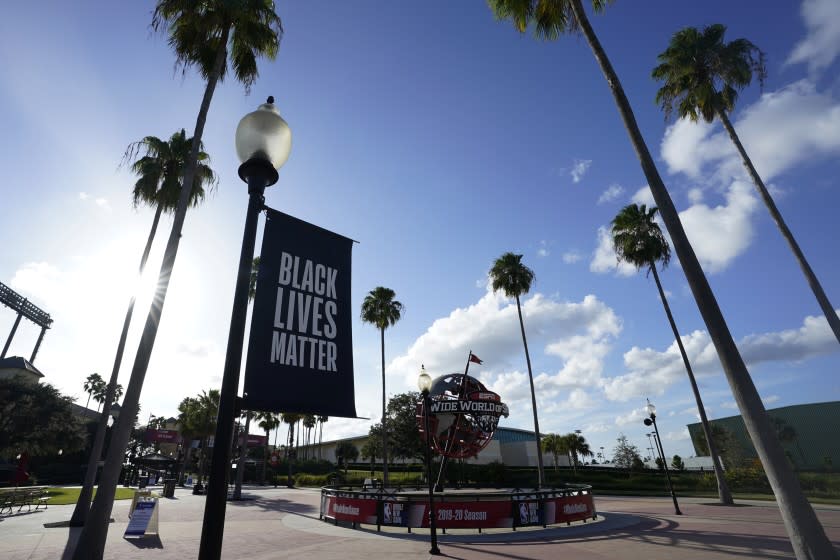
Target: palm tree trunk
point(813, 282)
point(265, 459)
point(91, 544)
point(80, 512)
point(807, 535)
point(243, 452)
point(384, 417)
point(540, 471)
point(724, 494)
point(187, 457)
point(87, 404)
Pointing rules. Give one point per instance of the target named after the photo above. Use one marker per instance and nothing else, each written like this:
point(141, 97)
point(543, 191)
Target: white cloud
point(813, 338)
point(574, 335)
point(782, 129)
point(651, 372)
point(579, 169)
point(543, 250)
point(695, 196)
point(83, 196)
point(604, 259)
point(571, 257)
point(770, 399)
point(721, 233)
point(681, 435)
point(822, 44)
point(40, 282)
point(643, 196)
point(612, 193)
point(635, 416)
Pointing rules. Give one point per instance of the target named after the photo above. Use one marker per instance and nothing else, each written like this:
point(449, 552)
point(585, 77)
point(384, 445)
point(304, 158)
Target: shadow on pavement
point(151, 541)
point(274, 504)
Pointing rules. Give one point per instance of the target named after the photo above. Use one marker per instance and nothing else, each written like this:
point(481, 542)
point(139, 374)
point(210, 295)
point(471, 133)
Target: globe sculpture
point(463, 417)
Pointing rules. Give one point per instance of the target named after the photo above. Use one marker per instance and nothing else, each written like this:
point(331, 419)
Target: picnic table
point(11, 498)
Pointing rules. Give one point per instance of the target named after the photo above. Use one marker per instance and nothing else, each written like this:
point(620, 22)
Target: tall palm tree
point(243, 441)
point(578, 447)
point(91, 385)
point(551, 18)
point(638, 240)
point(309, 422)
point(202, 34)
point(267, 421)
point(252, 280)
point(160, 173)
point(702, 75)
point(381, 310)
point(514, 279)
point(321, 420)
point(243, 453)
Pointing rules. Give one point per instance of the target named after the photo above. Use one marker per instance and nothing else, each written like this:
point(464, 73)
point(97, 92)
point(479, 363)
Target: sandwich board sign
point(144, 519)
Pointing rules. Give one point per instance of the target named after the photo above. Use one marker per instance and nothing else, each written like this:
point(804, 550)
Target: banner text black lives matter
point(300, 353)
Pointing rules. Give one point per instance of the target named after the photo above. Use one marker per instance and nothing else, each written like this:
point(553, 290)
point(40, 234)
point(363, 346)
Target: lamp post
point(424, 383)
point(651, 410)
point(263, 143)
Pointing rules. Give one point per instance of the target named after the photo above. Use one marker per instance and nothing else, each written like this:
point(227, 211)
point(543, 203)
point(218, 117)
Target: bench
point(24, 496)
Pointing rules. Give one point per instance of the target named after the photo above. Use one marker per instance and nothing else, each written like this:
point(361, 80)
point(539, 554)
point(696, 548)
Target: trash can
point(169, 487)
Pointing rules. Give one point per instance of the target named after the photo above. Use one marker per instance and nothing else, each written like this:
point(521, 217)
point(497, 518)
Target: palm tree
point(252, 281)
point(554, 444)
point(381, 310)
point(638, 240)
point(201, 34)
point(578, 447)
point(702, 75)
point(91, 385)
point(243, 453)
point(187, 430)
point(549, 19)
point(160, 172)
point(514, 279)
point(321, 420)
point(267, 421)
point(309, 422)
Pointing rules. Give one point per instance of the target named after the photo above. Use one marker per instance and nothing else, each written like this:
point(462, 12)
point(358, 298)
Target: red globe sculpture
point(464, 416)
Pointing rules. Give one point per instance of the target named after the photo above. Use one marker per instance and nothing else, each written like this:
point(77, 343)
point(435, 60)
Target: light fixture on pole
point(424, 383)
point(651, 410)
point(263, 143)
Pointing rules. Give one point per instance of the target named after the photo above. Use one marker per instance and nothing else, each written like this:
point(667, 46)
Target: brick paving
point(283, 523)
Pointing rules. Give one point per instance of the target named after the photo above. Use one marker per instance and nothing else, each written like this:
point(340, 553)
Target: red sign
point(163, 436)
point(351, 509)
point(569, 508)
point(273, 459)
point(258, 441)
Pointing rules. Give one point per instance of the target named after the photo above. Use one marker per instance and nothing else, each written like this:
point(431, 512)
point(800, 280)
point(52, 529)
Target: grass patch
point(64, 496)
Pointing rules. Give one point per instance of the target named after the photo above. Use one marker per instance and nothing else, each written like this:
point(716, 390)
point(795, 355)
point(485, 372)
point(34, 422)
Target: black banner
point(300, 353)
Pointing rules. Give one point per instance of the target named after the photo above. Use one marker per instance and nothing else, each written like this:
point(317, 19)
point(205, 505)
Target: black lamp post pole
point(665, 464)
point(258, 174)
point(427, 411)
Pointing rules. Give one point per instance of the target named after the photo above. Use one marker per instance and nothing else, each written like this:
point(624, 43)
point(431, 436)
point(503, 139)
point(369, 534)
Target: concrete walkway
point(283, 523)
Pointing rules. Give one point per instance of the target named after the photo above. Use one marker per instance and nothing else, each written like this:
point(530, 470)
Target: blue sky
point(439, 139)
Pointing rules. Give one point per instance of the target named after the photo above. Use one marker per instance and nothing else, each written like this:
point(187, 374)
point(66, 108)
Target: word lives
point(305, 315)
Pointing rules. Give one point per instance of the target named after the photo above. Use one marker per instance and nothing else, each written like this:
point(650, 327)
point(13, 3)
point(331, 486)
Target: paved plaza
point(283, 523)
